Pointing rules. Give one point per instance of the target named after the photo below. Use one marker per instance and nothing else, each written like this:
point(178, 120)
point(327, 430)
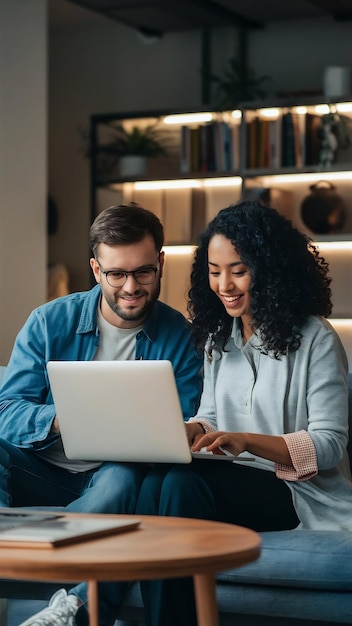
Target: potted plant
point(127, 148)
point(237, 84)
point(134, 146)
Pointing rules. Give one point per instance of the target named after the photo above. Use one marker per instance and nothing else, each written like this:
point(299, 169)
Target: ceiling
point(165, 16)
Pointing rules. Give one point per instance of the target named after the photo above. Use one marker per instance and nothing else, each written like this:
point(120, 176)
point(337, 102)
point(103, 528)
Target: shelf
point(336, 169)
point(175, 188)
point(191, 176)
point(295, 101)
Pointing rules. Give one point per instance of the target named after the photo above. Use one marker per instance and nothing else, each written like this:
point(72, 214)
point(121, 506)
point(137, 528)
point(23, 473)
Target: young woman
point(275, 386)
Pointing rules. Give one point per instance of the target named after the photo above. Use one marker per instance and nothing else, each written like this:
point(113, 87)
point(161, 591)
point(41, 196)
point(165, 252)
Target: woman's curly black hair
point(289, 279)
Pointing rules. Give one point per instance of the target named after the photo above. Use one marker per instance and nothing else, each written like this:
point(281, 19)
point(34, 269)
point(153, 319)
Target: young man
point(120, 318)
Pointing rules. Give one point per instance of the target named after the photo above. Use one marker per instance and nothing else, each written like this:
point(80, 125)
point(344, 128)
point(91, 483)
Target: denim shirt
point(66, 330)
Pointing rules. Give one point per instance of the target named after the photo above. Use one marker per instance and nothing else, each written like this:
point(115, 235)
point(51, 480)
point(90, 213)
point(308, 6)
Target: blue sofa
point(302, 578)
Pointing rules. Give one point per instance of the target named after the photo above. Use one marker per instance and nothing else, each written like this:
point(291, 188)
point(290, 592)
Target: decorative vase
point(132, 166)
point(323, 210)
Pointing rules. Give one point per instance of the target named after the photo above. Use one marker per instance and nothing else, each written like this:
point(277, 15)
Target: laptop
point(29, 528)
point(126, 411)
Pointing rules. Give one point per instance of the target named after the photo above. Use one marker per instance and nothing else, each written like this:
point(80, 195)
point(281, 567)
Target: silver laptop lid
point(119, 411)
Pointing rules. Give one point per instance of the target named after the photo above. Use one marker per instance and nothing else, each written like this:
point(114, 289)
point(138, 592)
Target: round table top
point(159, 547)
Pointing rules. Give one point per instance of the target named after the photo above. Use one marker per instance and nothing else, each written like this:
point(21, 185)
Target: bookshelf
point(284, 159)
point(198, 176)
point(216, 158)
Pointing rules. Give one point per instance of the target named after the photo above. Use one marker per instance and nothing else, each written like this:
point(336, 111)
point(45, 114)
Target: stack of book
point(291, 140)
point(209, 148)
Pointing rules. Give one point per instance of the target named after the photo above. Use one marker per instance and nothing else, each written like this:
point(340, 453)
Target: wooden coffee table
point(162, 547)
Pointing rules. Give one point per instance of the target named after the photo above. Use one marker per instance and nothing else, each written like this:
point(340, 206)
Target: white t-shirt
point(115, 344)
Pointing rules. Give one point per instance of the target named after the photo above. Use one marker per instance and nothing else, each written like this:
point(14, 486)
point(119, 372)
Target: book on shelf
point(299, 133)
point(209, 148)
point(217, 147)
point(263, 143)
point(185, 150)
point(288, 153)
point(312, 138)
point(227, 139)
point(251, 142)
point(275, 142)
point(203, 157)
point(235, 147)
point(259, 143)
point(291, 140)
point(195, 149)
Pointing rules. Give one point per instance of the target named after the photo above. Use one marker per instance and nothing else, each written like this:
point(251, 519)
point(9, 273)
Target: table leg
point(93, 606)
point(205, 594)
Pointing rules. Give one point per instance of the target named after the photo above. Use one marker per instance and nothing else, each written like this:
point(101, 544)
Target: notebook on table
point(30, 528)
point(121, 411)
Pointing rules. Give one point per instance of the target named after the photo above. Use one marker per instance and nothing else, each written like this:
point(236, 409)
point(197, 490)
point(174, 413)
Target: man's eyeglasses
point(143, 276)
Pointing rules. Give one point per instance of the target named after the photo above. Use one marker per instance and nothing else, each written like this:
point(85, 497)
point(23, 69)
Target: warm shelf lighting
point(322, 109)
point(272, 113)
point(334, 245)
point(188, 118)
point(227, 181)
point(300, 110)
point(236, 114)
point(148, 185)
point(341, 107)
point(344, 107)
point(179, 250)
point(307, 178)
point(340, 323)
point(322, 245)
point(187, 183)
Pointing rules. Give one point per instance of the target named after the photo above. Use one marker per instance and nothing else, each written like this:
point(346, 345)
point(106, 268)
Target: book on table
point(37, 528)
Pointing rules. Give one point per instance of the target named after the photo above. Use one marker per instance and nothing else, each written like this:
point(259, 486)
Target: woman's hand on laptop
point(215, 441)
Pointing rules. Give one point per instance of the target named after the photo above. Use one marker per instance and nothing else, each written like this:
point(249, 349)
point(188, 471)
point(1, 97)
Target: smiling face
point(230, 280)
point(127, 306)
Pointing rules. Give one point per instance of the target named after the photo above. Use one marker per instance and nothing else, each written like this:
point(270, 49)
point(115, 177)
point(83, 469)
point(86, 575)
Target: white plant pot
point(132, 165)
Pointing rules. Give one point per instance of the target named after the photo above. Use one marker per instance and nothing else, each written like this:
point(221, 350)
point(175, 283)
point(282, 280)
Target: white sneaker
point(60, 611)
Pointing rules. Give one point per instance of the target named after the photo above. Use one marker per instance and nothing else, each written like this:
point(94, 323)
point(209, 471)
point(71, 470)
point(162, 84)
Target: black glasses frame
point(133, 273)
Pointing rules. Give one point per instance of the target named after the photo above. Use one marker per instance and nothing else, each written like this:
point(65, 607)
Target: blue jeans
point(27, 480)
point(212, 490)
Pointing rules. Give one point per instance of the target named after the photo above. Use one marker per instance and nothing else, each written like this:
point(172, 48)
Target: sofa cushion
point(313, 559)
point(349, 446)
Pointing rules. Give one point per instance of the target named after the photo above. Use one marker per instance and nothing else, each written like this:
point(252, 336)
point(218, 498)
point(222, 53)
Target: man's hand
point(194, 432)
point(55, 426)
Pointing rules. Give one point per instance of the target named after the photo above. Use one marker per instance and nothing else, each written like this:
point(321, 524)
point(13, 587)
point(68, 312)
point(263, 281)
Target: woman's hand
point(271, 447)
point(234, 443)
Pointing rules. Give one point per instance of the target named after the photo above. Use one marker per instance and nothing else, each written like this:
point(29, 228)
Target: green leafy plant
point(238, 85)
point(138, 141)
point(147, 141)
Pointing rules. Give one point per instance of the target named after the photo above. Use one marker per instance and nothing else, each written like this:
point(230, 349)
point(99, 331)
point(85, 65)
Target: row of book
point(207, 148)
point(291, 140)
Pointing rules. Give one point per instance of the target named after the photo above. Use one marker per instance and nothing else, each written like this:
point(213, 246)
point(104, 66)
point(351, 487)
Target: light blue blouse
point(247, 391)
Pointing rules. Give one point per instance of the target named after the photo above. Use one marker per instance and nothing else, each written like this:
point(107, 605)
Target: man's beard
point(134, 315)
